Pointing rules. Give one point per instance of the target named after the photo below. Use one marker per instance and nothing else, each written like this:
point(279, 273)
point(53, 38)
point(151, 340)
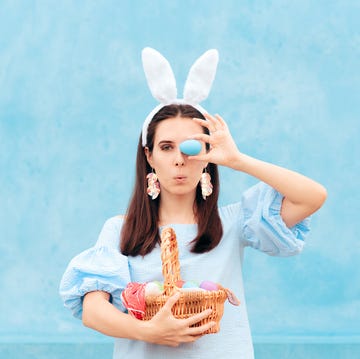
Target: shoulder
point(248, 201)
point(110, 232)
point(115, 221)
point(230, 211)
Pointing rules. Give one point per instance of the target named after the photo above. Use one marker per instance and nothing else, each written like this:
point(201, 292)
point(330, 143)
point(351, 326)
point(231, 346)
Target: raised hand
point(223, 149)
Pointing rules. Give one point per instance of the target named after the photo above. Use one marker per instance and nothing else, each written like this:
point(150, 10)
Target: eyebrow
point(165, 142)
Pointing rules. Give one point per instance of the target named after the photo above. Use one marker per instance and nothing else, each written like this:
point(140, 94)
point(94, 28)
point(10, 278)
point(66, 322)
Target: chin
point(182, 192)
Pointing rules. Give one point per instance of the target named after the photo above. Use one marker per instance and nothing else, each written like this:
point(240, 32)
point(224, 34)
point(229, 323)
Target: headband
point(162, 83)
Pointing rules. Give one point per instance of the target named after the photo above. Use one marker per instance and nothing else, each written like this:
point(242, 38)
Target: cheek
point(198, 167)
point(157, 158)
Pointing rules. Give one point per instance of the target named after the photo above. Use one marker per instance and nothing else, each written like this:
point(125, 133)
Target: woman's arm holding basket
point(163, 328)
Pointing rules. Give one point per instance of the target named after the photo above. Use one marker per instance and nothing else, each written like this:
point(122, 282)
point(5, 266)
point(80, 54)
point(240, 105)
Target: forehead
point(176, 129)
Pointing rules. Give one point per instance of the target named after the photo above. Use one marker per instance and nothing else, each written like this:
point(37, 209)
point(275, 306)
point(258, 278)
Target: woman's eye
point(166, 147)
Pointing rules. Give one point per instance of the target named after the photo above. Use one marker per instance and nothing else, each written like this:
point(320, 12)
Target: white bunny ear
point(201, 77)
point(159, 75)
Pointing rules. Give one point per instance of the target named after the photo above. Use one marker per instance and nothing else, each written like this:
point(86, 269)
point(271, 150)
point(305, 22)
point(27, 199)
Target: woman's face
point(176, 173)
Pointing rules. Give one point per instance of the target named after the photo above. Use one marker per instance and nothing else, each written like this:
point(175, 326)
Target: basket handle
point(170, 260)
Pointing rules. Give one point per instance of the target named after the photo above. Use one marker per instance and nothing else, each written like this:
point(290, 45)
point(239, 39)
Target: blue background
point(73, 97)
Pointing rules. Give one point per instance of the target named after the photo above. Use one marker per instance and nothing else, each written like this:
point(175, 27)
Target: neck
point(176, 209)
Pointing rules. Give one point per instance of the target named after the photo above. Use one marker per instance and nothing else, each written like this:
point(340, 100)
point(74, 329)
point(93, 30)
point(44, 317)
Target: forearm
point(302, 195)
point(99, 314)
point(292, 185)
point(163, 328)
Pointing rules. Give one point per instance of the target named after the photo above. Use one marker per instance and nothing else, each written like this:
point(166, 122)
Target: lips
point(180, 178)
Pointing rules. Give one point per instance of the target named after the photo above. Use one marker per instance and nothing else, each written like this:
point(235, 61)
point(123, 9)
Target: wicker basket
point(190, 302)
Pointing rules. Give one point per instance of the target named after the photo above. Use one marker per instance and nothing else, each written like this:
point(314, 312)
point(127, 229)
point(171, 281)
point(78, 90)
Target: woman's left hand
point(223, 149)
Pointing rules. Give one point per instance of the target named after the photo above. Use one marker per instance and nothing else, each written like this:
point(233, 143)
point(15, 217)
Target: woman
point(272, 216)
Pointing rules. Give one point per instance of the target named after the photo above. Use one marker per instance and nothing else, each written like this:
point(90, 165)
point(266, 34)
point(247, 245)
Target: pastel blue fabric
point(264, 228)
point(101, 267)
point(254, 221)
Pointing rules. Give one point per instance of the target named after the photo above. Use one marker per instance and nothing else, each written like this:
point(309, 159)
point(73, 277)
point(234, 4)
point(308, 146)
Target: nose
point(179, 159)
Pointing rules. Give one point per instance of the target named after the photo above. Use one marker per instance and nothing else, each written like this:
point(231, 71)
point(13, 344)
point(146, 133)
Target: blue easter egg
point(190, 147)
point(190, 284)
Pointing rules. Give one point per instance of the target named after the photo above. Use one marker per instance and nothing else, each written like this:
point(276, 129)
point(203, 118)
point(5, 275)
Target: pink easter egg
point(179, 283)
point(208, 285)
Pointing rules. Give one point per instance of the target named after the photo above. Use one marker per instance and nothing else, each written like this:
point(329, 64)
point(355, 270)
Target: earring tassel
point(206, 186)
point(153, 188)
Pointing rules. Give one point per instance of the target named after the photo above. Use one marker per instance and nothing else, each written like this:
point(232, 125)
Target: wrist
point(240, 162)
point(144, 331)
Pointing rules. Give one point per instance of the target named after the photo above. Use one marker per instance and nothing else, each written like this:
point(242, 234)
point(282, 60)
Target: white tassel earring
point(206, 185)
point(153, 188)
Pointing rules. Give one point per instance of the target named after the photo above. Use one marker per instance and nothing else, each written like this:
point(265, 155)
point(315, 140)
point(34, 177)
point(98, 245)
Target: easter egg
point(190, 284)
point(190, 147)
point(160, 285)
point(195, 289)
point(153, 288)
point(208, 285)
point(179, 283)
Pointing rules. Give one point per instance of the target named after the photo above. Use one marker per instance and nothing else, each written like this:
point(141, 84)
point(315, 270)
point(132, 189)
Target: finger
point(201, 137)
point(210, 118)
point(191, 338)
point(221, 121)
point(199, 331)
point(171, 301)
point(201, 121)
point(203, 158)
point(186, 339)
point(197, 317)
point(216, 122)
point(213, 124)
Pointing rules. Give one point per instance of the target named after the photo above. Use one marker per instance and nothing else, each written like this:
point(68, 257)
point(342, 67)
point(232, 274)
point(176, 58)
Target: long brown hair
point(140, 232)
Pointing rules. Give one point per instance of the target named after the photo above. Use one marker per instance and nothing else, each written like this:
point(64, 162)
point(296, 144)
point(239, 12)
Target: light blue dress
point(254, 221)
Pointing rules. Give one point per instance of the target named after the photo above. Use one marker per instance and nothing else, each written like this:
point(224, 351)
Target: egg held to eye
point(190, 147)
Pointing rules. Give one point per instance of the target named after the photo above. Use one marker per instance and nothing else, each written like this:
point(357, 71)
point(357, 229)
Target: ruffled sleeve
point(263, 227)
point(101, 267)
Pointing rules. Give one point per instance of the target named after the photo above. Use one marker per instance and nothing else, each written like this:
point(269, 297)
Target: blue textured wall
point(72, 100)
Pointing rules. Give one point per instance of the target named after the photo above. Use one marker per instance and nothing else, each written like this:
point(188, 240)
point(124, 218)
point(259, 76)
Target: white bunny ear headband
point(162, 83)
